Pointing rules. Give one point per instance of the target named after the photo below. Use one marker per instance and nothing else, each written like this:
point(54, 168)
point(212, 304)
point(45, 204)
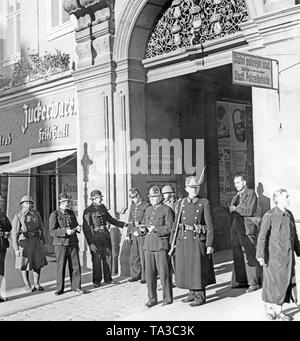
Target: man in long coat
point(194, 244)
point(244, 231)
point(277, 242)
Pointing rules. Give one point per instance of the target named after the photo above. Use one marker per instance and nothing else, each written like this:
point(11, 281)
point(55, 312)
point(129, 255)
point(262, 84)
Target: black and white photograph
point(149, 163)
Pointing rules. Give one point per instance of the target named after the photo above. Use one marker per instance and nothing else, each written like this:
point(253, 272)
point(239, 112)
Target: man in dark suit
point(158, 219)
point(95, 219)
point(246, 269)
point(63, 226)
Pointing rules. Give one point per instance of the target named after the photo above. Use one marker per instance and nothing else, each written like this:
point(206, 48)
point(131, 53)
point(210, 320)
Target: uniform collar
point(194, 200)
point(157, 206)
point(280, 212)
point(27, 211)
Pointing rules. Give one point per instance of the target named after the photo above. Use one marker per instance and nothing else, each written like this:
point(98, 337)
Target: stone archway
point(140, 16)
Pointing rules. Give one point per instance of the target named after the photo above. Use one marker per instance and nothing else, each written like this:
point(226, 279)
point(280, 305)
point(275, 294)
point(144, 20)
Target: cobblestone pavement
point(126, 302)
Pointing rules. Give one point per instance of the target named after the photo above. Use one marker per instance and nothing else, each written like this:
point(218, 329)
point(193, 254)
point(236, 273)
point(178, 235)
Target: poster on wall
point(232, 145)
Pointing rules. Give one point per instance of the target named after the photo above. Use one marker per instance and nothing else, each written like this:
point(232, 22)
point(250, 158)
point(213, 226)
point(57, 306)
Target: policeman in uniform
point(159, 219)
point(95, 219)
point(28, 242)
point(194, 244)
point(63, 226)
point(136, 233)
point(169, 199)
point(169, 196)
point(5, 228)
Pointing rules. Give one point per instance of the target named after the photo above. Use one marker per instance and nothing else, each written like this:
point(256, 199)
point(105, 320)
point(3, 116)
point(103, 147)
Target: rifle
point(173, 246)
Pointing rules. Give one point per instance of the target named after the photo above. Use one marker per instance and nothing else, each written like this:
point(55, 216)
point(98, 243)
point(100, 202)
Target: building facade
point(84, 82)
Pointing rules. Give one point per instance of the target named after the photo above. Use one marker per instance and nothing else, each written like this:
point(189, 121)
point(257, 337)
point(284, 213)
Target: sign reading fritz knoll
point(253, 70)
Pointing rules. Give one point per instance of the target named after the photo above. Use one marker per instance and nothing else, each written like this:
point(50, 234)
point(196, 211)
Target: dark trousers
point(158, 263)
point(246, 269)
point(68, 254)
point(137, 257)
point(102, 261)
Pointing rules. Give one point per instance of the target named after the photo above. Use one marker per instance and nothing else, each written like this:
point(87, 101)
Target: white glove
point(135, 233)
point(209, 250)
point(18, 253)
point(69, 232)
point(261, 261)
point(93, 248)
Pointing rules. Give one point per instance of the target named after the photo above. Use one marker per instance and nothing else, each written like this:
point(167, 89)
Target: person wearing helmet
point(159, 219)
point(169, 197)
point(97, 235)
point(28, 242)
point(193, 237)
point(136, 233)
point(5, 228)
point(63, 227)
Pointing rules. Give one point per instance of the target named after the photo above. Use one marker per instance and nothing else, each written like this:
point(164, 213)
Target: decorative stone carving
point(192, 22)
point(71, 6)
point(93, 40)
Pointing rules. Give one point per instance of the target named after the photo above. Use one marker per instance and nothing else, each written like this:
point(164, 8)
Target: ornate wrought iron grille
point(192, 22)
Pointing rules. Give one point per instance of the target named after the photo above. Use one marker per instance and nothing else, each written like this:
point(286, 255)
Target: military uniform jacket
point(246, 205)
point(58, 223)
point(23, 222)
point(97, 216)
point(5, 226)
point(194, 268)
point(162, 217)
point(136, 214)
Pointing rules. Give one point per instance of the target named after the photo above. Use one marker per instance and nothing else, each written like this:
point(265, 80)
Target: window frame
point(8, 59)
point(62, 28)
point(5, 158)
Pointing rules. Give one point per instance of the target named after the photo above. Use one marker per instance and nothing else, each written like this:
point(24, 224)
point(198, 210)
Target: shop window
point(12, 44)
point(4, 184)
point(58, 15)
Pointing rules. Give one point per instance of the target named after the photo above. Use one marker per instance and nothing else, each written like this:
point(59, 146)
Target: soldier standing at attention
point(194, 244)
point(95, 219)
point(137, 233)
point(5, 228)
point(169, 198)
point(63, 226)
point(28, 242)
point(159, 219)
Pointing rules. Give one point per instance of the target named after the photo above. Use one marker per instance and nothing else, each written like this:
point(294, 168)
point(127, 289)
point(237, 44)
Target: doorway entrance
point(52, 179)
point(205, 105)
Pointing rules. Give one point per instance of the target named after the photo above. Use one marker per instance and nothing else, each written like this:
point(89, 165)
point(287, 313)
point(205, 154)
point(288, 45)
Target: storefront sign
point(250, 70)
point(5, 140)
point(54, 132)
point(53, 111)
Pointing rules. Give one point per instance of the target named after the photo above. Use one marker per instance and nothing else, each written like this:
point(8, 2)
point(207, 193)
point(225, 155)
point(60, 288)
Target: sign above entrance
point(250, 70)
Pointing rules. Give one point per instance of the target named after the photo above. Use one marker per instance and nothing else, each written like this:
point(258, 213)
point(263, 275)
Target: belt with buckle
point(100, 228)
point(31, 235)
point(186, 227)
point(189, 227)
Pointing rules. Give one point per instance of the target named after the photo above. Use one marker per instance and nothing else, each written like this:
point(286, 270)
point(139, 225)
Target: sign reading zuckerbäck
point(250, 70)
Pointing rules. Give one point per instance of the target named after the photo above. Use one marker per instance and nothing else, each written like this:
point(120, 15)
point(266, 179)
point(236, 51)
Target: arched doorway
point(184, 91)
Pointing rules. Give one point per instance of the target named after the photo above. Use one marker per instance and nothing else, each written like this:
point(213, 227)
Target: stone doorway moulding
point(149, 10)
point(137, 19)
